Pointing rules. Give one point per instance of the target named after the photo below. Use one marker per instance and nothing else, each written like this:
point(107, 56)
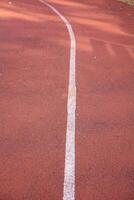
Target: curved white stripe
point(69, 173)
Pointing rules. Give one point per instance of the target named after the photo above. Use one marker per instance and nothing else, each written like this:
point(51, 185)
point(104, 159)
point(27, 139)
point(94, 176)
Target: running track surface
point(34, 71)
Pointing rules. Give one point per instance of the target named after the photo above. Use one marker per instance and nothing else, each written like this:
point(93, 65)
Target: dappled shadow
point(11, 11)
point(23, 23)
point(92, 20)
point(108, 22)
point(102, 20)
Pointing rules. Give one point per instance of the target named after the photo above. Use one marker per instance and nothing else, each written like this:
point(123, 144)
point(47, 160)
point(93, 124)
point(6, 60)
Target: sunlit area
point(9, 11)
point(130, 2)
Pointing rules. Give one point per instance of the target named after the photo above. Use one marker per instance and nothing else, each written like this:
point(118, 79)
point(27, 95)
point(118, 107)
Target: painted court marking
point(69, 172)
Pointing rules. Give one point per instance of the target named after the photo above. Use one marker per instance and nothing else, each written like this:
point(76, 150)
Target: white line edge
point(69, 171)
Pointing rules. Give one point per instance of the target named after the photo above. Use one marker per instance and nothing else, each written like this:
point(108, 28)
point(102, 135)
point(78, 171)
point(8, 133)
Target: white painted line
point(69, 173)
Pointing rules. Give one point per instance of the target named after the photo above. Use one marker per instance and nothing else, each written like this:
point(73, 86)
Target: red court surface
point(34, 71)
